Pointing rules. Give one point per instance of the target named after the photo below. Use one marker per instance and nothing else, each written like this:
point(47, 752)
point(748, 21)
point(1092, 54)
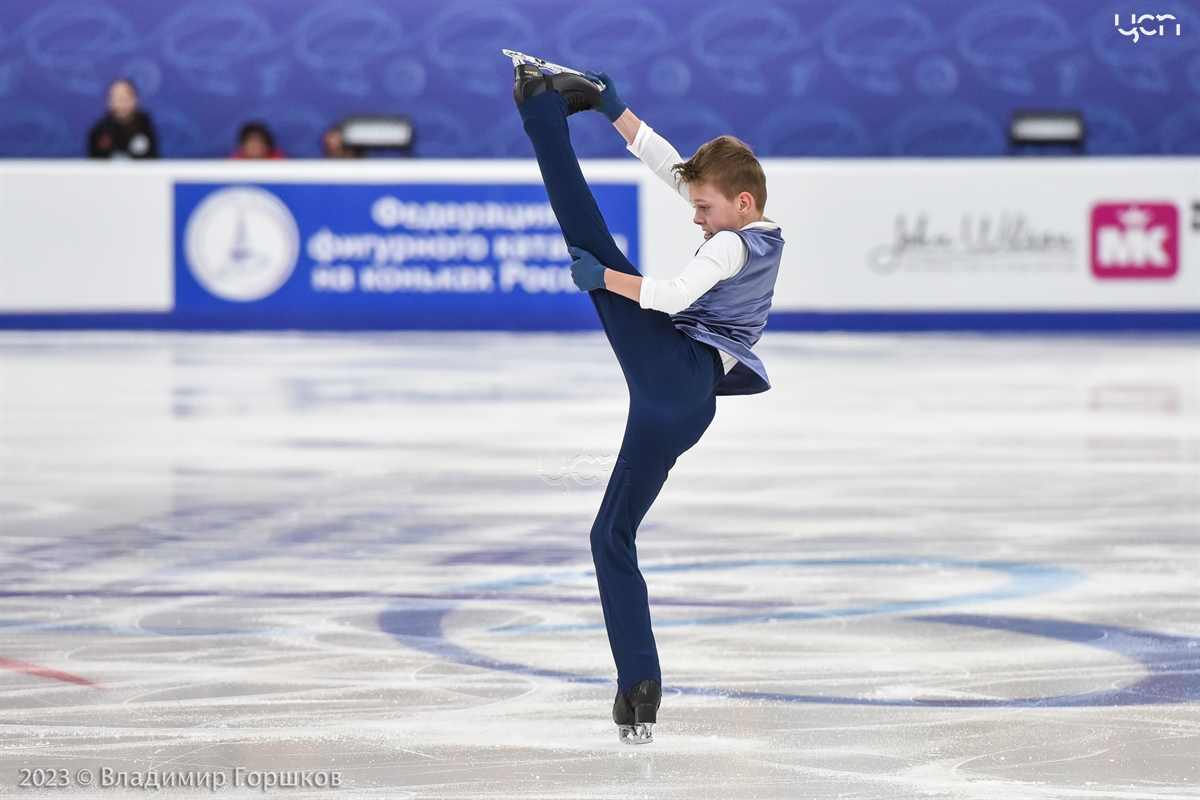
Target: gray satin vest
point(731, 315)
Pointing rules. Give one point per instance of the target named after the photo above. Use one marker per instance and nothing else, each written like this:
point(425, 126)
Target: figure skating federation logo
point(242, 243)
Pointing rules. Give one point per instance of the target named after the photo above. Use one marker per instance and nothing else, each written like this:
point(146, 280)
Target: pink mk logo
point(1135, 240)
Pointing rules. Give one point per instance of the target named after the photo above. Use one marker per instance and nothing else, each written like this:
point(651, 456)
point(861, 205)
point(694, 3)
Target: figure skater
point(680, 342)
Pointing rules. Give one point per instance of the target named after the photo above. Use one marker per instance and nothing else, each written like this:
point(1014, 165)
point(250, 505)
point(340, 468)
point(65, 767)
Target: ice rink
point(921, 566)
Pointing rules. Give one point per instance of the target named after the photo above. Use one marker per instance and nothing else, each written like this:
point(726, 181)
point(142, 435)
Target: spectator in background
point(255, 142)
point(334, 146)
point(125, 131)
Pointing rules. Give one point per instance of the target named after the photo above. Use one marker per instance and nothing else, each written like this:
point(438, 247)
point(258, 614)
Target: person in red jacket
point(256, 142)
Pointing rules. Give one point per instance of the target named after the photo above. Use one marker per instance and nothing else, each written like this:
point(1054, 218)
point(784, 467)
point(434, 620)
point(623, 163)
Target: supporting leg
point(653, 441)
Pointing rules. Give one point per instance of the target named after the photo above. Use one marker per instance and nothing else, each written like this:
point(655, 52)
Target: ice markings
point(338, 40)
point(420, 627)
point(1171, 663)
point(1002, 39)
point(207, 41)
point(68, 41)
point(866, 42)
point(1025, 580)
point(734, 42)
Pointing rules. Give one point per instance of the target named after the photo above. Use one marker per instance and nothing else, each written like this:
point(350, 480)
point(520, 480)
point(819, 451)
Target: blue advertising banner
point(391, 256)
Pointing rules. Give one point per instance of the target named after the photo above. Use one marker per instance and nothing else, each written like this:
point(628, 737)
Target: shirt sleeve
point(718, 259)
point(657, 153)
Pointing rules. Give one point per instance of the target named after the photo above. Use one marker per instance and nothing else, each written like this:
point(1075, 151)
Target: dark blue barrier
point(564, 320)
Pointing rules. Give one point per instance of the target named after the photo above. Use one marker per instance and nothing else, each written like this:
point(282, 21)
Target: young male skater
point(680, 342)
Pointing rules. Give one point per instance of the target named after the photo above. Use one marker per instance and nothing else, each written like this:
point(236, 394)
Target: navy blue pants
point(672, 382)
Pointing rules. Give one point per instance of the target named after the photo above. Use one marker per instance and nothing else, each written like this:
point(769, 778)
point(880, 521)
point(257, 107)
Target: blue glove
point(586, 271)
point(610, 105)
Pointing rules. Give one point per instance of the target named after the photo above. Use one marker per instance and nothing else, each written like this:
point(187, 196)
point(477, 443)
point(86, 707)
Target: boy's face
point(716, 212)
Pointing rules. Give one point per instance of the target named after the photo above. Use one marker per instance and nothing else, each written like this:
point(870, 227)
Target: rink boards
point(872, 244)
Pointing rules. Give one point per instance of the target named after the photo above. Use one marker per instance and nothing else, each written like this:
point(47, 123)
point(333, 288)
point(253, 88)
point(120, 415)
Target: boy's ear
point(745, 203)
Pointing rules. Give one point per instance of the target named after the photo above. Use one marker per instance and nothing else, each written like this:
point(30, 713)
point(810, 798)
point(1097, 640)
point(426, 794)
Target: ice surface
point(921, 566)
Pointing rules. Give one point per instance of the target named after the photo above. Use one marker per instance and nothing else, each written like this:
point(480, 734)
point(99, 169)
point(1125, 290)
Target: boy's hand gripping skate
point(611, 106)
point(586, 270)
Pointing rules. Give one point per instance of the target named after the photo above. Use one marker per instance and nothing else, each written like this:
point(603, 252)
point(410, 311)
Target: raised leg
point(665, 366)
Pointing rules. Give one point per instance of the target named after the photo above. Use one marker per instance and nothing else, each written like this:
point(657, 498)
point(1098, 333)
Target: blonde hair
point(730, 166)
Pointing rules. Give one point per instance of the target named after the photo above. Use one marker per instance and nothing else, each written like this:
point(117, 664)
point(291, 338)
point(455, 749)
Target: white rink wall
point(896, 235)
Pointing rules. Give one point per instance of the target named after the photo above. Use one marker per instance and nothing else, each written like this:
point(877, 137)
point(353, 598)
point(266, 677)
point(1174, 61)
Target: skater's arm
point(628, 125)
point(653, 150)
point(623, 283)
point(720, 258)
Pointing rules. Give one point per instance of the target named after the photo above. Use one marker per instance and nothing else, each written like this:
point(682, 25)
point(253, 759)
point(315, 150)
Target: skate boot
point(635, 712)
point(532, 76)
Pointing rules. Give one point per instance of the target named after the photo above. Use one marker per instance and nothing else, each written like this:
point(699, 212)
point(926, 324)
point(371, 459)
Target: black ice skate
point(635, 712)
point(532, 76)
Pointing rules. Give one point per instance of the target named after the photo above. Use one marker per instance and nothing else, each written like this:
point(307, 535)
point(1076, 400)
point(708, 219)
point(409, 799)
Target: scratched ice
point(938, 566)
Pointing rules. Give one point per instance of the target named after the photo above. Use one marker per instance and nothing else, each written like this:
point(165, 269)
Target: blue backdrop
point(925, 77)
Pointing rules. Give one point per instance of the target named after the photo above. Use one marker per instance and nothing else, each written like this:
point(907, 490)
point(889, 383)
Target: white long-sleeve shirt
point(718, 259)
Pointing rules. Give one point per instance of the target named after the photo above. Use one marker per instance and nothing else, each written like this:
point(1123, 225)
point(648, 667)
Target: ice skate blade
point(555, 69)
point(638, 733)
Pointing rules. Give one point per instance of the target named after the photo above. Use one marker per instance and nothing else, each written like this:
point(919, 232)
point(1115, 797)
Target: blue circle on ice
point(1172, 663)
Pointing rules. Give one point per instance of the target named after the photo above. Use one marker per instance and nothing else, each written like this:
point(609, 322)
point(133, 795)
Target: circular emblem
point(241, 243)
